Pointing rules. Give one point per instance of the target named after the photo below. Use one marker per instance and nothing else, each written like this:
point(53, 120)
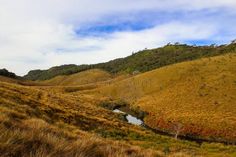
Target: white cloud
point(41, 33)
point(123, 43)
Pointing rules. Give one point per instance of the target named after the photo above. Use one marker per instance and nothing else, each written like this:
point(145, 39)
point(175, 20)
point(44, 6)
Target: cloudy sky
point(38, 34)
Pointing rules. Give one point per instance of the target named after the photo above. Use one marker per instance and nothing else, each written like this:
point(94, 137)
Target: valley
point(186, 108)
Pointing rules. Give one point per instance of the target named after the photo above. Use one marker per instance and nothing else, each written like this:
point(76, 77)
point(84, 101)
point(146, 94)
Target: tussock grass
point(36, 138)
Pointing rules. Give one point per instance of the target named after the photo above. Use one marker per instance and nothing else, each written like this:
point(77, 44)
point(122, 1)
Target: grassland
point(64, 117)
point(82, 78)
point(36, 123)
point(48, 121)
point(199, 96)
point(36, 138)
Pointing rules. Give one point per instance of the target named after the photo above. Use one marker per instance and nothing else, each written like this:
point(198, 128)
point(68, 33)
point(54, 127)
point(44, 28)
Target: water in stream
point(131, 119)
point(134, 120)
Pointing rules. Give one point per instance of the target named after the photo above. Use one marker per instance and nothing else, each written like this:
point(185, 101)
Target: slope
point(35, 122)
point(20, 81)
point(86, 77)
point(39, 121)
point(197, 97)
point(6, 73)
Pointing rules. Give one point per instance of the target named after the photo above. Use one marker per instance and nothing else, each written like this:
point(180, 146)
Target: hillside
point(55, 71)
point(35, 123)
point(86, 77)
point(41, 121)
point(198, 95)
point(142, 61)
point(8, 79)
point(185, 105)
point(18, 80)
point(6, 73)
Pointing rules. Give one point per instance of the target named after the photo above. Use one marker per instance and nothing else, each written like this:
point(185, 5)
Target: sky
point(39, 34)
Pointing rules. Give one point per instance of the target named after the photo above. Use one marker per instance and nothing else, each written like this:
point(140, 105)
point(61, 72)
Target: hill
point(18, 80)
point(8, 79)
point(35, 123)
point(6, 73)
point(85, 77)
point(42, 121)
point(55, 71)
point(198, 96)
point(142, 61)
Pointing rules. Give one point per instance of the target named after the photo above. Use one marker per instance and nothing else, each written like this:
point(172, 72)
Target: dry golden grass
point(7, 79)
point(200, 95)
point(20, 82)
point(40, 123)
point(47, 104)
point(85, 77)
point(36, 138)
point(60, 121)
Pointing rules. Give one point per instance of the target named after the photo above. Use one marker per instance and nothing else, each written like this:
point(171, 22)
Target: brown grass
point(200, 94)
point(86, 77)
point(67, 120)
point(36, 138)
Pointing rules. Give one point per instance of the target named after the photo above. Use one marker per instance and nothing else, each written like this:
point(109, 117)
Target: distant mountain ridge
point(6, 73)
point(141, 61)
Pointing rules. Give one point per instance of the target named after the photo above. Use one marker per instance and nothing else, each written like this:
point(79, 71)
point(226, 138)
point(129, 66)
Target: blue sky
point(38, 34)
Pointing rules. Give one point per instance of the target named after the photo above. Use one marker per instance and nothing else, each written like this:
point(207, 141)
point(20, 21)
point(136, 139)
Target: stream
point(131, 119)
point(136, 121)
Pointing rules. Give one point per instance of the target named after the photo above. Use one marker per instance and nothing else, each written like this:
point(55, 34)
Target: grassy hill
point(8, 79)
point(43, 121)
point(6, 73)
point(142, 61)
point(33, 122)
point(86, 77)
point(55, 71)
point(68, 115)
point(198, 95)
point(18, 80)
